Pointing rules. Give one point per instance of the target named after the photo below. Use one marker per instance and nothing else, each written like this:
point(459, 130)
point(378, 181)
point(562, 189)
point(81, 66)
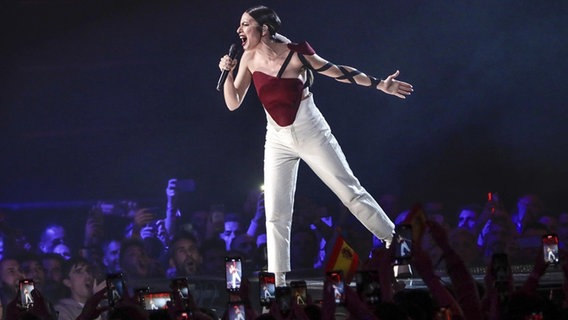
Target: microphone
point(233, 50)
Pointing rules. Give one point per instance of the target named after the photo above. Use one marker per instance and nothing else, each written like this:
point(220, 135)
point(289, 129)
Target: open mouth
point(243, 40)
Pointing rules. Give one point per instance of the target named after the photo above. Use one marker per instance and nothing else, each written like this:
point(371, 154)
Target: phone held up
point(299, 292)
point(550, 249)
point(402, 242)
point(156, 301)
point(233, 273)
point(26, 286)
point(267, 288)
point(115, 288)
point(284, 299)
point(368, 287)
point(236, 310)
point(336, 279)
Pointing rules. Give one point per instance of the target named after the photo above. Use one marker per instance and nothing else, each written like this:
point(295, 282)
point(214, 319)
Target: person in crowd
point(52, 235)
point(10, 276)
point(304, 255)
point(53, 266)
point(31, 267)
point(530, 208)
point(296, 128)
point(464, 243)
point(111, 255)
point(467, 217)
point(79, 280)
point(63, 250)
point(185, 257)
point(232, 229)
point(214, 252)
point(135, 262)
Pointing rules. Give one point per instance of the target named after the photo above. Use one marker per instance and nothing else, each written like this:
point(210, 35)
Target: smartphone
point(336, 278)
point(500, 268)
point(233, 273)
point(156, 300)
point(26, 286)
point(236, 310)
point(299, 292)
point(139, 295)
point(180, 287)
point(115, 288)
point(550, 248)
point(402, 242)
point(367, 282)
point(267, 288)
point(284, 299)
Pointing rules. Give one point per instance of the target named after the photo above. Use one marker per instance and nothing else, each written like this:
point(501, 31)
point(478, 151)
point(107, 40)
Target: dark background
point(110, 99)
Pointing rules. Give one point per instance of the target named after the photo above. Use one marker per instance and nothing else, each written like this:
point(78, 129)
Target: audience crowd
point(144, 242)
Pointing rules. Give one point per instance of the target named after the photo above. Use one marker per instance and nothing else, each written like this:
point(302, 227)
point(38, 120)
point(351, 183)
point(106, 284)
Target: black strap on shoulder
point(305, 61)
point(285, 64)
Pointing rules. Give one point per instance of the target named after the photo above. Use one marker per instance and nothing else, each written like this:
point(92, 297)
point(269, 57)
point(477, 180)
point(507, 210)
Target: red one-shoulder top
point(281, 97)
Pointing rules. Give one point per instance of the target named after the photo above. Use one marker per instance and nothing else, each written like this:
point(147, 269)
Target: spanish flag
point(343, 257)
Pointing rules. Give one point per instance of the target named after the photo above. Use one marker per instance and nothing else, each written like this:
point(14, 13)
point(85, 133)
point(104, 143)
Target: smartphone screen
point(236, 311)
point(299, 292)
point(156, 300)
point(115, 288)
point(180, 285)
point(267, 288)
point(26, 287)
point(180, 288)
point(284, 298)
point(368, 286)
point(402, 241)
point(550, 249)
point(233, 273)
point(336, 278)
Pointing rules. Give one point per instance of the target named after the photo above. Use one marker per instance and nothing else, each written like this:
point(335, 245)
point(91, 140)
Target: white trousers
point(309, 139)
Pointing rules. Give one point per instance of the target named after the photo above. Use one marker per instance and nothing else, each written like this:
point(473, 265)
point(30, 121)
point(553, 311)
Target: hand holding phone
point(550, 249)
point(299, 292)
point(236, 310)
point(26, 286)
point(233, 273)
point(115, 288)
point(155, 301)
point(267, 288)
point(284, 299)
point(336, 279)
point(402, 242)
point(368, 286)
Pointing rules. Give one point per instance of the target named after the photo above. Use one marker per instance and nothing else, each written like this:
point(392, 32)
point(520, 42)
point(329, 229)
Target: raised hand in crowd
point(463, 283)
point(422, 263)
point(92, 308)
point(39, 308)
point(243, 296)
point(381, 260)
point(142, 218)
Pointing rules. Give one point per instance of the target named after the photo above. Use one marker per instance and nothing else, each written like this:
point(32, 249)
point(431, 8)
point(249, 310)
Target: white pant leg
point(321, 151)
point(280, 175)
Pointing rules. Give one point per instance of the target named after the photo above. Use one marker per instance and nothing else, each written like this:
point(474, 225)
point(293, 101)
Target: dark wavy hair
point(265, 16)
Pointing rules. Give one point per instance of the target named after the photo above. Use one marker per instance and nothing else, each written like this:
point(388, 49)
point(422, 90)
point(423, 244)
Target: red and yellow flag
point(343, 257)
